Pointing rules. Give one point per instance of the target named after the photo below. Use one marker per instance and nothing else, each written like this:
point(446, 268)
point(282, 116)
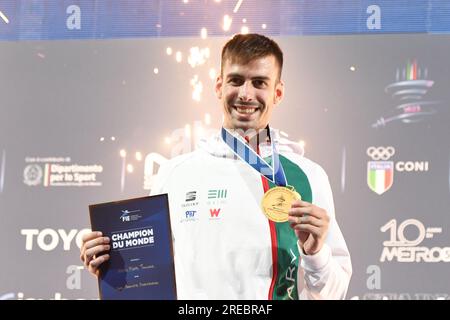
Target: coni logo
point(380, 171)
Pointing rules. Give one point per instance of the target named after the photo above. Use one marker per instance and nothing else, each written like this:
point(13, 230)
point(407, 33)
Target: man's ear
point(218, 86)
point(279, 92)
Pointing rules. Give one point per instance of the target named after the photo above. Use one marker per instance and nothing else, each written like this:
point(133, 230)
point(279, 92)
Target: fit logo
point(126, 217)
point(190, 214)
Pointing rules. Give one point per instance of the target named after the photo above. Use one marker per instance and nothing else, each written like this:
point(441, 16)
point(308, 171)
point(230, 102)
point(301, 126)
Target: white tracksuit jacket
point(226, 248)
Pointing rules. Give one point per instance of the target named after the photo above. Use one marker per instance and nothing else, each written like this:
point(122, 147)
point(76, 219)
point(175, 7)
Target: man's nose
point(246, 91)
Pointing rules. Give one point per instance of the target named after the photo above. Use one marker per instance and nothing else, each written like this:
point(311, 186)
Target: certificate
point(141, 264)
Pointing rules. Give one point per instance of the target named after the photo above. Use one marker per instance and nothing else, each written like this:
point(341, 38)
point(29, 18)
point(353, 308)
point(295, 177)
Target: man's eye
point(236, 81)
point(259, 83)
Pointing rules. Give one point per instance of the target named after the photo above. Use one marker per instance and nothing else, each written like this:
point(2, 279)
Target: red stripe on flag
point(387, 178)
point(273, 237)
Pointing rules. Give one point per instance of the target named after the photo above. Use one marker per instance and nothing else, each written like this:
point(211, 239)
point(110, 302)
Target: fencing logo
point(126, 217)
point(408, 91)
point(32, 175)
point(380, 174)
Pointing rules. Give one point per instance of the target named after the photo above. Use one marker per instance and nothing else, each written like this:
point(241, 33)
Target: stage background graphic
point(95, 95)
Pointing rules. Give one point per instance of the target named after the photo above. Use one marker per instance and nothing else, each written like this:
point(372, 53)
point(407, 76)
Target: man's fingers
point(311, 210)
point(90, 240)
point(91, 253)
point(91, 235)
point(316, 231)
point(300, 203)
point(300, 211)
point(293, 220)
point(95, 263)
point(96, 242)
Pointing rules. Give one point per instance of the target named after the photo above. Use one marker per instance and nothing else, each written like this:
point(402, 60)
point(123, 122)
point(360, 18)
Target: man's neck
point(253, 137)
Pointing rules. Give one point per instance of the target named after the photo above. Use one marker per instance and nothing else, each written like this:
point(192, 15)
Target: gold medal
point(277, 202)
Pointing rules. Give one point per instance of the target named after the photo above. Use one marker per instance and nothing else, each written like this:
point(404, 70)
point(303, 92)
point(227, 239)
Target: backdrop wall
point(95, 95)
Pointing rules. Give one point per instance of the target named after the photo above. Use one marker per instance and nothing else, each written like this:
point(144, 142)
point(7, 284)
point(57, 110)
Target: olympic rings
point(380, 153)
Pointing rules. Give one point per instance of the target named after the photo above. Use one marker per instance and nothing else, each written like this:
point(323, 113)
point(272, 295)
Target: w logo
point(214, 212)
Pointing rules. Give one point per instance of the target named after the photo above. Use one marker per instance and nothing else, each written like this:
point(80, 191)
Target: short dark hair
point(243, 48)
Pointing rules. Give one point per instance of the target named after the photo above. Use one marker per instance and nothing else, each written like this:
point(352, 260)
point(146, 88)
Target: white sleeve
point(326, 274)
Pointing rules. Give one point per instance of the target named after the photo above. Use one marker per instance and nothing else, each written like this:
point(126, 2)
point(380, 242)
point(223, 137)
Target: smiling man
point(249, 85)
point(261, 222)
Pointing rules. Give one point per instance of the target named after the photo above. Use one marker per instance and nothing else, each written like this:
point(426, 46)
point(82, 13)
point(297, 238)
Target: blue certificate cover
point(141, 264)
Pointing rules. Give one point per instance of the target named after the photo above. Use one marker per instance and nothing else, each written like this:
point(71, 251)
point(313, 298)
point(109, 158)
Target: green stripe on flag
point(287, 250)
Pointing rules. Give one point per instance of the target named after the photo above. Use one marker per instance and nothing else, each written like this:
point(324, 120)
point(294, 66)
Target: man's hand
point(92, 245)
point(310, 224)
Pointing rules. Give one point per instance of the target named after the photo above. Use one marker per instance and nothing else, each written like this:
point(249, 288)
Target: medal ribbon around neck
point(277, 201)
point(274, 173)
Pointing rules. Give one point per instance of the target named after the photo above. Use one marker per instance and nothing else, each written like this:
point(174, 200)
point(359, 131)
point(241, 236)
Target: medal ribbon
point(274, 173)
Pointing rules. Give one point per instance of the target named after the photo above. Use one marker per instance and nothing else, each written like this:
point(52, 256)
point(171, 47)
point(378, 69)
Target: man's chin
point(244, 126)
